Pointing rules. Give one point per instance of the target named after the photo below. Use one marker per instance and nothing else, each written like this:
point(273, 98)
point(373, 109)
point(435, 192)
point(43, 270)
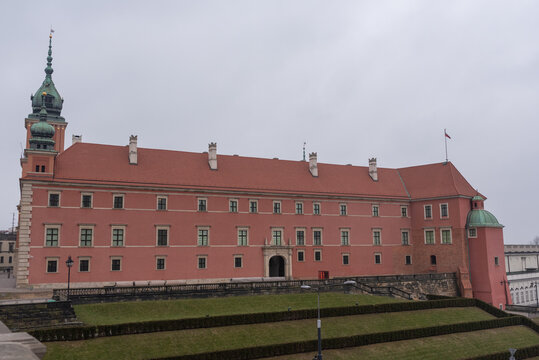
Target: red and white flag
point(447, 135)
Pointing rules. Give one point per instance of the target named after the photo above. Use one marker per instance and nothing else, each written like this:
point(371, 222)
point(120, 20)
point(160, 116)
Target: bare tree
point(535, 241)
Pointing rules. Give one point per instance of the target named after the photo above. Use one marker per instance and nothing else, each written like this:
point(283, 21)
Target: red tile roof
point(107, 164)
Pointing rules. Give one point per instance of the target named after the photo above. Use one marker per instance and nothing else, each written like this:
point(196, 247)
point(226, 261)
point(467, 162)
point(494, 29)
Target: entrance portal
point(276, 266)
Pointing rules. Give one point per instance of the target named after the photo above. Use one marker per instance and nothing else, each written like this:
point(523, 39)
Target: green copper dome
point(482, 218)
point(52, 101)
point(42, 129)
point(42, 132)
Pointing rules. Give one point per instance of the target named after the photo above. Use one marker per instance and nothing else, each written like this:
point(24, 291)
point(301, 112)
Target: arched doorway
point(276, 266)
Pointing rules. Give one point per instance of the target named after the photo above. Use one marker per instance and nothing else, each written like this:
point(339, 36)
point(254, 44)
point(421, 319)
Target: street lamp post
point(319, 321)
point(69, 263)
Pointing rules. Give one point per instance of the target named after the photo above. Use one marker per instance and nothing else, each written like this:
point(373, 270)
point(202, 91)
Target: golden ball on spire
point(50, 36)
point(44, 93)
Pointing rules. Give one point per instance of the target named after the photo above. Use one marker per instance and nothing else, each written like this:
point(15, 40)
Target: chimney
point(313, 164)
point(212, 155)
point(76, 139)
point(373, 171)
point(133, 150)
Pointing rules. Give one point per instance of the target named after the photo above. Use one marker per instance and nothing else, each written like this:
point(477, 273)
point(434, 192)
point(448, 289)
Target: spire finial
point(48, 69)
point(43, 113)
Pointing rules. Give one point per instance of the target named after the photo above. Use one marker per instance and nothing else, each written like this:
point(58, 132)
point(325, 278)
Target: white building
point(522, 267)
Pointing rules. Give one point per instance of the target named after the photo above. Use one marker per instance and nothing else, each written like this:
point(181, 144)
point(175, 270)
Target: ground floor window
point(52, 265)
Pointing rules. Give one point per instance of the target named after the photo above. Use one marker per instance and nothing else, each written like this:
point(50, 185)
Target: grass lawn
point(221, 338)
point(447, 347)
point(117, 313)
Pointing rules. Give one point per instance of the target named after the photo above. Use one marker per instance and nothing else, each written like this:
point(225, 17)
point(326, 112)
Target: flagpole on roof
point(446, 136)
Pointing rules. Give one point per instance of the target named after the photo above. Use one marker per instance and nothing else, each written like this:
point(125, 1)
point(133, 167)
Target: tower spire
point(49, 70)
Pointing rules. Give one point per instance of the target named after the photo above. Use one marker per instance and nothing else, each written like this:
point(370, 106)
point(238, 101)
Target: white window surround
point(202, 204)
point(52, 226)
point(117, 227)
point(241, 261)
point(375, 210)
point(343, 209)
point(442, 230)
point(251, 202)
point(246, 229)
point(82, 258)
point(447, 211)
point(425, 212)
point(472, 233)
point(162, 227)
point(345, 239)
point(113, 258)
point(52, 258)
point(314, 230)
point(425, 231)
point(404, 211)
point(114, 196)
point(277, 236)
point(375, 241)
point(315, 206)
point(86, 227)
point(82, 195)
point(277, 207)
point(377, 258)
point(405, 237)
point(161, 197)
point(303, 256)
point(304, 236)
point(347, 255)
point(59, 193)
point(201, 241)
point(299, 207)
point(205, 265)
point(318, 251)
point(233, 203)
point(161, 257)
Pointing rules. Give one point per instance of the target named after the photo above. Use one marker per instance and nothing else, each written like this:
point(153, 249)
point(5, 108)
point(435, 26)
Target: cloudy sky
point(354, 79)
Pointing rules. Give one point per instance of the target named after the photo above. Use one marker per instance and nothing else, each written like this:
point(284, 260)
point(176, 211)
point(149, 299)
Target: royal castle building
point(125, 213)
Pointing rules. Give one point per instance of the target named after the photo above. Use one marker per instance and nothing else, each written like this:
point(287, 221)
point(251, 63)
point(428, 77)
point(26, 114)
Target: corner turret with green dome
point(42, 132)
point(479, 217)
point(51, 100)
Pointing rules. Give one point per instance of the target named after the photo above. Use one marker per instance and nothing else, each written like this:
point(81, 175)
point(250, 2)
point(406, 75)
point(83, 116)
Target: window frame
point(120, 263)
point(81, 259)
point(159, 204)
point(87, 227)
point(202, 204)
point(158, 229)
point(240, 242)
point(345, 240)
point(444, 242)
point(274, 232)
point(474, 234)
point(347, 257)
point(299, 207)
point(56, 227)
point(82, 195)
point(374, 237)
point(52, 193)
point(497, 261)
point(429, 212)
point(377, 258)
point(319, 253)
point(114, 196)
point(375, 210)
point(343, 209)
point(52, 259)
point(446, 211)
point(277, 207)
point(404, 211)
point(164, 262)
point(408, 260)
point(117, 227)
point(240, 258)
point(314, 231)
point(251, 207)
point(317, 208)
point(203, 239)
point(302, 252)
point(429, 230)
point(300, 230)
point(205, 262)
point(233, 209)
point(405, 240)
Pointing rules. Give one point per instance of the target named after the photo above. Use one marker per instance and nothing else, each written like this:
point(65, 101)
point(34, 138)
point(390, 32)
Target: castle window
point(408, 260)
point(375, 211)
point(202, 262)
point(54, 199)
point(253, 206)
point(203, 236)
point(233, 206)
point(444, 211)
point(472, 232)
point(301, 255)
point(161, 203)
point(86, 236)
point(276, 237)
point(1, 259)
point(115, 264)
point(86, 201)
point(345, 237)
point(118, 202)
point(160, 263)
point(37, 166)
point(84, 264)
point(10, 260)
point(496, 261)
point(429, 237)
point(344, 209)
point(377, 258)
point(52, 265)
point(316, 209)
point(377, 237)
point(299, 208)
point(300, 237)
point(345, 259)
point(428, 211)
point(162, 236)
point(405, 237)
point(11, 247)
point(242, 237)
point(433, 259)
point(118, 234)
point(404, 211)
point(43, 166)
point(52, 235)
point(317, 237)
point(238, 261)
point(202, 204)
point(318, 255)
point(276, 207)
point(445, 235)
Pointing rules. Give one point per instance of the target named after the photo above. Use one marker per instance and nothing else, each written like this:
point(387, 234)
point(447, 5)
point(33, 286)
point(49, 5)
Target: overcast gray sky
point(354, 79)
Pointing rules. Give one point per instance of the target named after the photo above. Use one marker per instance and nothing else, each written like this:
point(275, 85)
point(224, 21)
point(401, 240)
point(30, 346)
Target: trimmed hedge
point(349, 341)
point(95, 331)
point(523, 353)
